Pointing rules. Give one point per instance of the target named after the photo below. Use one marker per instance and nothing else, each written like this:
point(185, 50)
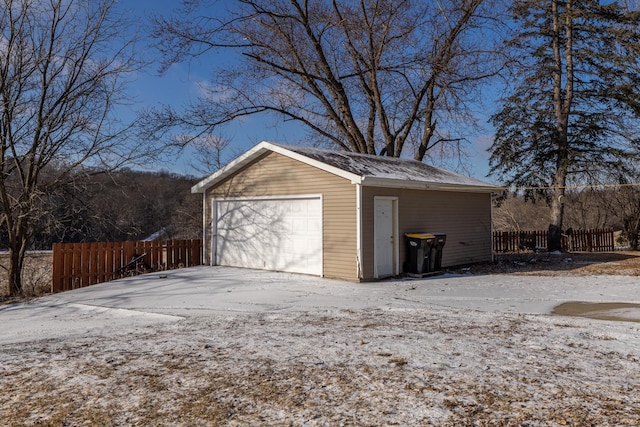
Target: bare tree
point(515, 213)
point(366, 76)
point(209, 153)
point(589, 208)
point(62, 65)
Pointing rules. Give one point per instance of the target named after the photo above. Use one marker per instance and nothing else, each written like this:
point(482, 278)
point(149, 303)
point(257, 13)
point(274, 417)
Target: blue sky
point(181, 83)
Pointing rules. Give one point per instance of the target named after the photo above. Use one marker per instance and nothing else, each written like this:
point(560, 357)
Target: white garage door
point(281, 234)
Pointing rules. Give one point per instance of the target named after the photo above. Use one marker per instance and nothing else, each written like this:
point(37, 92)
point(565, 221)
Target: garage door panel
point(272, 234)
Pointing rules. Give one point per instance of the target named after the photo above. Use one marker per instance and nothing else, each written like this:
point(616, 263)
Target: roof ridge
point(354, 153)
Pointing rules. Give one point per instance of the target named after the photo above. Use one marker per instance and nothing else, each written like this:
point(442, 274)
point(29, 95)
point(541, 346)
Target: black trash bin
point(418, 250)
point(435, 258)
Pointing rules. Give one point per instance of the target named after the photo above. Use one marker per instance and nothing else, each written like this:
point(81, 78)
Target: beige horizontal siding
point(278, 175)
point(464, 217)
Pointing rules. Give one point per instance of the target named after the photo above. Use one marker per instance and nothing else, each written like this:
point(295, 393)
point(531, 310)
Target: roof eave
point(425, 185)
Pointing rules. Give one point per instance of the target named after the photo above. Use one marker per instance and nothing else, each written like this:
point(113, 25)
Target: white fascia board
point(423, 185)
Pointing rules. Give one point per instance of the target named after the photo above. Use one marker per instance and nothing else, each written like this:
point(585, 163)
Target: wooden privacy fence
point(76, 265)
point(589, 240)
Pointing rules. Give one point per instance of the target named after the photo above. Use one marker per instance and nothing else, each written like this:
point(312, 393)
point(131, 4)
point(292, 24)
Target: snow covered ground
point(222, 346)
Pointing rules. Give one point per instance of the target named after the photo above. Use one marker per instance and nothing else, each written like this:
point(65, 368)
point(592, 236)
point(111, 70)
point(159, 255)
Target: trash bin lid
point(420, 235)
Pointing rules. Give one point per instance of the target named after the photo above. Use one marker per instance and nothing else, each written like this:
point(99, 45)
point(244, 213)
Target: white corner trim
point(359, 254)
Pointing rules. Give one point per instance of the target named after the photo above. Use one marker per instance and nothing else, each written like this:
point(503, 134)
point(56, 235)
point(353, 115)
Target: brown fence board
point(103, 265)
point(155, 256)
point(196, 252)
point(588, 240)
point(83, 264)
point(68, 255)
point(171, 254)
point(109, 253)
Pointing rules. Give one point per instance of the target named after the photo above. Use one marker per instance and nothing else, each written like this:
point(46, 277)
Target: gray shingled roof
point(382, 167)
point(359, 168)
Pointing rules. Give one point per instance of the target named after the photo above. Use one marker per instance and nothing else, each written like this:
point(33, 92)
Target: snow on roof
point(364, 169)
point(385, 168)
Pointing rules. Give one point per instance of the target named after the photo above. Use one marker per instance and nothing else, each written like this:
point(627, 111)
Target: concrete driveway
point(203, 291)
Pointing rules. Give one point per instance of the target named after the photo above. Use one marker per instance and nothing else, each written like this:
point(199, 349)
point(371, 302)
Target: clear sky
point(181, 83)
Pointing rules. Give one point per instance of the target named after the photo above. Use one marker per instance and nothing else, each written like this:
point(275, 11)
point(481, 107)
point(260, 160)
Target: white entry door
point(385, 246)
point(281, 234)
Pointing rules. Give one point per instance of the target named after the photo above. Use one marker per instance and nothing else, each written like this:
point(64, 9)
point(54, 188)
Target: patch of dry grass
point(491, 370)
point(624, 263)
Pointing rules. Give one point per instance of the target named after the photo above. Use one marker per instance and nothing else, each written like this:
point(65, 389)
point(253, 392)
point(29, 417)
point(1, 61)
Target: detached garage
point(338, 214)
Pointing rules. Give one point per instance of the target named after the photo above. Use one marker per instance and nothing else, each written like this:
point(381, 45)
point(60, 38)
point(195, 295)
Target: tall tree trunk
point(562, 98)
point(557, 202)
point(554, 242)
point(18, 240)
